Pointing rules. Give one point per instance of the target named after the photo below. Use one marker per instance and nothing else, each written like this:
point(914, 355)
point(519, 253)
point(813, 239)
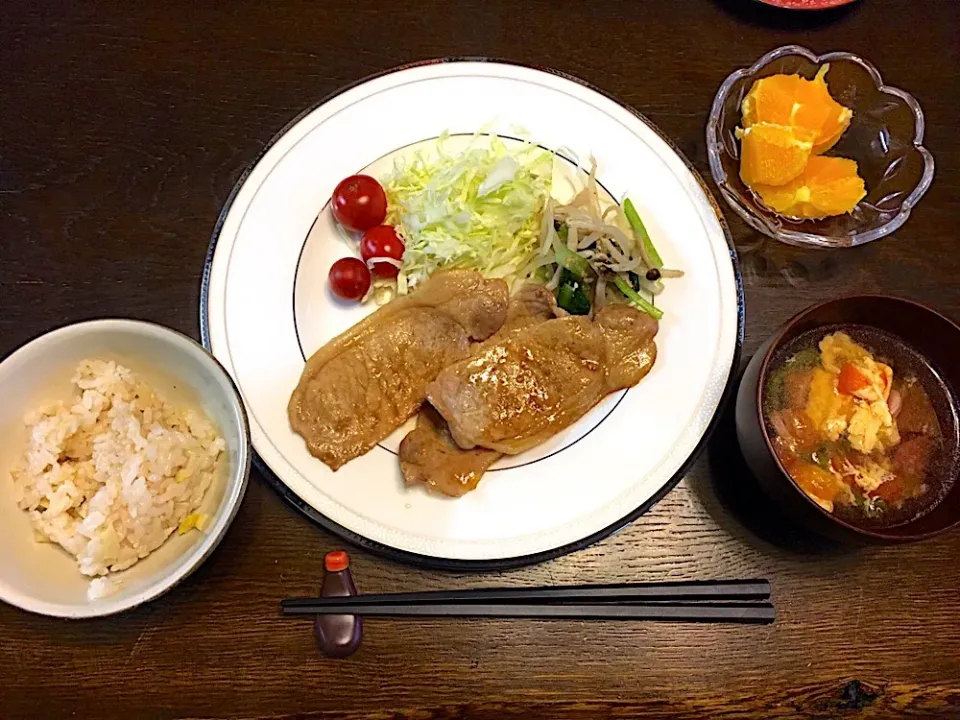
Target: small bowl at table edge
point(934, 336)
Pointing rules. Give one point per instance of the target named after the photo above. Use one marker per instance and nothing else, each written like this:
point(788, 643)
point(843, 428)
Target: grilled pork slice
point(362, 385)
point(515, 392)
point(428, 453)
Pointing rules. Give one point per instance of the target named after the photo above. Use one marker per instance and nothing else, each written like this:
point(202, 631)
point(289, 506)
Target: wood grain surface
point(124, 127)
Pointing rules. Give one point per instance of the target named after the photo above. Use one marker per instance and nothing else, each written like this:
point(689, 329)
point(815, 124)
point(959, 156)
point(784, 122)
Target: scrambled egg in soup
point(848, 395)
point(833, 408)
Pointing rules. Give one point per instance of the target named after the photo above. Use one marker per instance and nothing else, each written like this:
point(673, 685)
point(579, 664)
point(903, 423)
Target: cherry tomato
point(349, 278)
point(359, 203)
point(382, 241)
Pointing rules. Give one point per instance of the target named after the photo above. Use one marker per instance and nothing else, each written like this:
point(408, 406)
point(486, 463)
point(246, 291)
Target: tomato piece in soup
point(851, 379)
point(891, 492)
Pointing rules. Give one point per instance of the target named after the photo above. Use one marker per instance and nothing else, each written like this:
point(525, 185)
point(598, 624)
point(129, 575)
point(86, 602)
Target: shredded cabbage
point(477, 208)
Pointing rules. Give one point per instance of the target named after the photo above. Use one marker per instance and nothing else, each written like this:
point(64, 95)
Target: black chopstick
point(665, 591)
point(731, 612)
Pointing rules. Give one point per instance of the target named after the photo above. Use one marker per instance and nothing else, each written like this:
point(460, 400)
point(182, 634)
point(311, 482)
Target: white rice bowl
point(96, 474)
point(112, 473)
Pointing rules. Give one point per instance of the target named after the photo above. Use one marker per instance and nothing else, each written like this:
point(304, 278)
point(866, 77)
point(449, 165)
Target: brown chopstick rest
point(338, 636)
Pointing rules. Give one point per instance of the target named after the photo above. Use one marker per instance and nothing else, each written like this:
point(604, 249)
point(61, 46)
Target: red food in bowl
point(807, 4)
point(933, 337)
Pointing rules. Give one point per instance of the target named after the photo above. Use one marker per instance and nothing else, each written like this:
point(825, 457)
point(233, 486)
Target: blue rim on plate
point(457, 565)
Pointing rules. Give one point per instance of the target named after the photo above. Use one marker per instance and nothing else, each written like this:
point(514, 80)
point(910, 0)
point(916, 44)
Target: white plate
point(265, 306)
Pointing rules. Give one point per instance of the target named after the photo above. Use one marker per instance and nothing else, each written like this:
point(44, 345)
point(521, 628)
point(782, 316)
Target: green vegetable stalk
point(633, 217)
point(636, 299)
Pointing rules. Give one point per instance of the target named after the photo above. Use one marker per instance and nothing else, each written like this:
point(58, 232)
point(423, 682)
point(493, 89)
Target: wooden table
point(125, 126)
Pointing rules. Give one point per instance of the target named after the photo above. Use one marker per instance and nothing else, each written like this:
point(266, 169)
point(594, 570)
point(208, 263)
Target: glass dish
point(885, 138)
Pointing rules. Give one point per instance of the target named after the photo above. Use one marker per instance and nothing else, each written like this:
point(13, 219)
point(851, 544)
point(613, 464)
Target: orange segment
point(838, 116)
point(796, 101)
point(784, 100)
point(828, 186)
point(773, 154)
